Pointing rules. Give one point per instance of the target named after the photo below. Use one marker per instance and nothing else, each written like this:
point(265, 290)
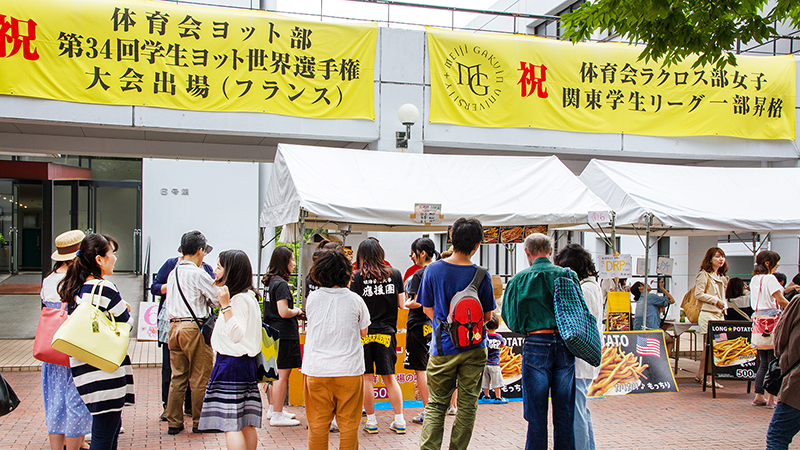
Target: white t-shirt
point(761, 289)
point(49, 292)
point(333, 347)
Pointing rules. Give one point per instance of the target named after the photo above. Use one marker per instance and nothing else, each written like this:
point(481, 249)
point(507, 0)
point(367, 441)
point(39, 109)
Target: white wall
point(222, 203)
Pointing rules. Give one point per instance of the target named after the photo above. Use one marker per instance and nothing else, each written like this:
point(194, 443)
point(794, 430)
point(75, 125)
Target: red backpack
point(465, 323)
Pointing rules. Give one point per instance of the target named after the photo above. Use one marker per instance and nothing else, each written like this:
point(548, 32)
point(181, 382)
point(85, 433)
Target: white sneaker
point(334, 427)
point(451, 410)
point(285, 414)
point(371, 426)
point(398, 427)
point(419, 418)
point(283, 422)
point(87, 437)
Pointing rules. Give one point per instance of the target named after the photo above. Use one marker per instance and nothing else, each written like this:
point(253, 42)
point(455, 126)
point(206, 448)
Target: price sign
point(641, 268)
point(427, 213)
point(664, 266)
point(599, 217)
point(614, 266)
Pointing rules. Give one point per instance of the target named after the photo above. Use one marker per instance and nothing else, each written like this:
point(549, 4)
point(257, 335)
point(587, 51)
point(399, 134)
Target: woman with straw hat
point(67, 418)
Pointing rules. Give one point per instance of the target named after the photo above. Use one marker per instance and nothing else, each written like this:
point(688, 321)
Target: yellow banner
point(185, 57)
point(487, 80)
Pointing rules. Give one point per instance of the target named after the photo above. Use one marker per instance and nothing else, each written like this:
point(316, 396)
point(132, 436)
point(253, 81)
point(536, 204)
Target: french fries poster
point(634, 362)
point(734, 358)
point(511, 364)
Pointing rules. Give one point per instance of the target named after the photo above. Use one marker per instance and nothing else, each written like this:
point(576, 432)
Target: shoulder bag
point(763, 326)
point(93, 336)
point(206, 325)
point(267, 360)
point(50, 320)
point(576, 325)
point(774, 378)
point(8, 399)
point(690, 305)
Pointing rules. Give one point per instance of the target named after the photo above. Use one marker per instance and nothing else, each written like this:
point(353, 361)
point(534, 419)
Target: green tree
point(673, 30)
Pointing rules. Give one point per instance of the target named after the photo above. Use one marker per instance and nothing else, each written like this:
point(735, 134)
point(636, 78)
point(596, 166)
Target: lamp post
point(408, 114)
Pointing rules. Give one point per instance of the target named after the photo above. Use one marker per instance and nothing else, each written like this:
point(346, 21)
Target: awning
point(690, 200)
point(372, 190)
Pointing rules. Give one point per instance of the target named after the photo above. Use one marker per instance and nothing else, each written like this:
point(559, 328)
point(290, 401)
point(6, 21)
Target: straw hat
point(67, 245)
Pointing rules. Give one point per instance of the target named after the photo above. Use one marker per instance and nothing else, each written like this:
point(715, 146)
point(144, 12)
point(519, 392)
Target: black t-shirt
point(416, 316)
point(311, 285)
point(278, 289)
point(381, 300)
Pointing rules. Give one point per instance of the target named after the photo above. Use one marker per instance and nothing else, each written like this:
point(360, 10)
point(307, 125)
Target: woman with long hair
point(738, 295)
point(418, 326)
point(237, 341)
point(580, 261)
point(67, 418)
point(105, 394)
point(281, 314)
point(381, 287)
point(709, 290)
point(766, 299)
point(333, 361)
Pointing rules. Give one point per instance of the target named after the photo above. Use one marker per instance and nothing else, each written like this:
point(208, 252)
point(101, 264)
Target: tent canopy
point(686, 200)
point(372, 190)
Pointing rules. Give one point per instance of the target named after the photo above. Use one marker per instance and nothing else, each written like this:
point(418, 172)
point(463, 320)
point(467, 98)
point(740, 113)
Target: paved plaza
point(689, 419)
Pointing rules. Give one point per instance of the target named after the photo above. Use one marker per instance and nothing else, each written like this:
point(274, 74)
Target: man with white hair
point(548, 368)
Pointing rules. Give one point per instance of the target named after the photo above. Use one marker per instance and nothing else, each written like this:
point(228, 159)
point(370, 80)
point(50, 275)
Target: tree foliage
point(673, 30)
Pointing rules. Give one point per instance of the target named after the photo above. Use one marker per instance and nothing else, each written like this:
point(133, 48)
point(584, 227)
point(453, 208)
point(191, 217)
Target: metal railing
point(459, 19)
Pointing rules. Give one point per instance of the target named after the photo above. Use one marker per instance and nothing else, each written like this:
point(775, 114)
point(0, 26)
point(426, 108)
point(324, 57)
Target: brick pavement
point(689, 419)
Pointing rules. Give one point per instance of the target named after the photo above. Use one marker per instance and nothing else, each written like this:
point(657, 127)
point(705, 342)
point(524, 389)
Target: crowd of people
point(351, 312)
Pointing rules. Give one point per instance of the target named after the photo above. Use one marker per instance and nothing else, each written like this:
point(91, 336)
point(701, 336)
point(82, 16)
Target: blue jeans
point(584, 434)
point(783, 427)
point(105, 430)
point(548, 370)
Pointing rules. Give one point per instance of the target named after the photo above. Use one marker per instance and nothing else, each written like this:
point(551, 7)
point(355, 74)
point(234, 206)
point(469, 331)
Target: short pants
point(492, 377)
point(417, 344)
point(380, 353)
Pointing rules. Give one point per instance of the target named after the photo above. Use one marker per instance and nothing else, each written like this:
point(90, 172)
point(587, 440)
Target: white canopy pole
point(648, 221)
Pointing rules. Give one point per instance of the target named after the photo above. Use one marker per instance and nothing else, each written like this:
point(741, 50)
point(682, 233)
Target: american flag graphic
point(648, 346)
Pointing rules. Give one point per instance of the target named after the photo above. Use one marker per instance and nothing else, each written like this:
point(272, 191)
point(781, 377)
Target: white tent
point(377, 191)
point(686, 200)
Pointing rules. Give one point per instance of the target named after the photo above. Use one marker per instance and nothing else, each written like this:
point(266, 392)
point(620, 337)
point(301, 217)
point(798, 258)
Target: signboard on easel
point(732, 357)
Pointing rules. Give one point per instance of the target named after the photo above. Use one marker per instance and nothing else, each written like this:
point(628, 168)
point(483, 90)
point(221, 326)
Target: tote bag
point(267, 360)
point(576, 325)
point(93, 337)
point(50, 320)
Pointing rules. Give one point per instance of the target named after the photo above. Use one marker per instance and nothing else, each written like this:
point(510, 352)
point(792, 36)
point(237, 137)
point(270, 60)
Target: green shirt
point(528, 300)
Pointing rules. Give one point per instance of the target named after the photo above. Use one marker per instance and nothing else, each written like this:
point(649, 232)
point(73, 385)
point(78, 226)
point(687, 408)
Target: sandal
point(698, 380)
point(759, 403)
point(709, 384)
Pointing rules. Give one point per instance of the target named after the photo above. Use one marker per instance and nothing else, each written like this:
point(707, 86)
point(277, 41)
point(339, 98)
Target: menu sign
point(634, 362)
point(733, 357)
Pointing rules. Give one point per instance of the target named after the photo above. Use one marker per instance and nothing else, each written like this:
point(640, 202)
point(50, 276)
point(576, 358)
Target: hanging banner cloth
point(491, 80)
point(148, 53)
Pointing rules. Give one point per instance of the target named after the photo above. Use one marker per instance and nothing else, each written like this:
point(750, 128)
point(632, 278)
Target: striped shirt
point(104, 392)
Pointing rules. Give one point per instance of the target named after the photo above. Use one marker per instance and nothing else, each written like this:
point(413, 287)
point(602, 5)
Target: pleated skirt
point(232, 399)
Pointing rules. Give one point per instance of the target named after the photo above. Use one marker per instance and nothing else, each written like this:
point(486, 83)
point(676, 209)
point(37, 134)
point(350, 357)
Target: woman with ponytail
point(418, 327)
point(766, 299)
point(104, 393)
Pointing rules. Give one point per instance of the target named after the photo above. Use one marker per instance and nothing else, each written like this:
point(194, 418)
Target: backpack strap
point(478, 278)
